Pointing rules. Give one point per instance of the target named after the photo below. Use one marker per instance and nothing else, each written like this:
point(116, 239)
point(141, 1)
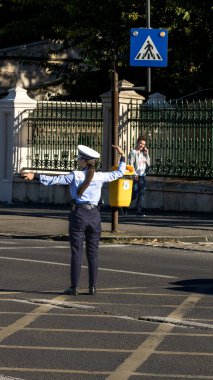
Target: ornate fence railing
point(179, 137)
point(55, 129)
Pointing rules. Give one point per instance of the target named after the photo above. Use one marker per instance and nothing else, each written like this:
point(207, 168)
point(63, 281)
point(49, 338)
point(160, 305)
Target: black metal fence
point(179, 135)
point(55, 129)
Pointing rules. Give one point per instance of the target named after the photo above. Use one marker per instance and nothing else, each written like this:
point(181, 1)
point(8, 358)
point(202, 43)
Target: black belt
point(86, 206)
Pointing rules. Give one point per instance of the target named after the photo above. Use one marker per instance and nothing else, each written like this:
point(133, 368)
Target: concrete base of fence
point(162, 193)
point(34, 192)
point(179, 195)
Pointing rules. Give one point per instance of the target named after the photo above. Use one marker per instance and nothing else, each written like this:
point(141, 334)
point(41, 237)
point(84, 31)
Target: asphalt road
point(151, 319)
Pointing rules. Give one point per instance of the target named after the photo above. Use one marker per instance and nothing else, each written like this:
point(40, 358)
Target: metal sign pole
point(114, 132)
point(148, 25)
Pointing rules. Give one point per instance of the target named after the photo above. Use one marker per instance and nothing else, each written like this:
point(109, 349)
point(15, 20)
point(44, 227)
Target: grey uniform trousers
point(84, 224)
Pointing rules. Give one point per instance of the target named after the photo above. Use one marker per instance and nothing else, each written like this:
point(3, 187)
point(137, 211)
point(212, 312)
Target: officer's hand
point(29, 176)
point(119, 150)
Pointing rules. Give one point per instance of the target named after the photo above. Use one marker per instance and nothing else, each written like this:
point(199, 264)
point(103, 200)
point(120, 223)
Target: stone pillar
point(13, 109)
point(126, 97)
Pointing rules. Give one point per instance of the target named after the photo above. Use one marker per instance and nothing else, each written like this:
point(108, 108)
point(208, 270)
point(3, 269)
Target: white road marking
point(62, 304)
point(177, 322)
point(47, 302)
point(100, 269)
point(138, 273)
point(33, 261)
point(9, 378)
point(36, 247)
point(149, 346)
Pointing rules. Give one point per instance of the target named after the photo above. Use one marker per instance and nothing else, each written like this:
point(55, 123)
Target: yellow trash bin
point(120, 191)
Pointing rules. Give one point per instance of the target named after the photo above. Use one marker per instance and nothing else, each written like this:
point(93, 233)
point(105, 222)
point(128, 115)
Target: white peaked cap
point(87, 153)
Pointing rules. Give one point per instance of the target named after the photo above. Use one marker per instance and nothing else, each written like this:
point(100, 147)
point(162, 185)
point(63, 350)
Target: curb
point(135, 239)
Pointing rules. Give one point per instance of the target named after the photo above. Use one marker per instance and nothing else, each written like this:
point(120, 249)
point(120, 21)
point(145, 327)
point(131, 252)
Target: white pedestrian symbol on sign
point(148, 51)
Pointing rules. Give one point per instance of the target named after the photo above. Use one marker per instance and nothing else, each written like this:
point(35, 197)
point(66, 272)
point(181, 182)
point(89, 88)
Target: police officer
point(85, 222)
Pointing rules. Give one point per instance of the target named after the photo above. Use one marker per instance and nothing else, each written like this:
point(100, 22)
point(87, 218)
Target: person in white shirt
point(140, 160)
point(85, 222)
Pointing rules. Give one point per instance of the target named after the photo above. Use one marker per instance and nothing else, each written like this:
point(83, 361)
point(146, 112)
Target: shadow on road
point(203, 286)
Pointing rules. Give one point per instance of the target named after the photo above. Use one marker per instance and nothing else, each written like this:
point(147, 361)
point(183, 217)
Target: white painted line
point(57, 304)
point(33, 261)
point(177, 322)
point(47, 302)
point(9, 378)
point(100, 269)
point(34, 247)
point(138, 273)
point(60, 304)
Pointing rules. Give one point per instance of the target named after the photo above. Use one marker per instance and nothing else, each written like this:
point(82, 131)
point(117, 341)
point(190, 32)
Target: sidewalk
point(50, 222)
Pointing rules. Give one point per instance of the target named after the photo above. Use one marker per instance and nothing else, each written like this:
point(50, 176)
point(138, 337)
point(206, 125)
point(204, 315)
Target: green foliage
point(99, 29)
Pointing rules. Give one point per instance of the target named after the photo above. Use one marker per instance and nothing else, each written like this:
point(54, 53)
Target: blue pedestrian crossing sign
point(148, 47)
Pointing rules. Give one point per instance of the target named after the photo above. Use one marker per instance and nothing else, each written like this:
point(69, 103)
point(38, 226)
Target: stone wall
point(161, 194)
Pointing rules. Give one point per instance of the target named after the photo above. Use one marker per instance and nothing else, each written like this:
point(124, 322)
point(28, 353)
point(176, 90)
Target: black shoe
point(92, 291)
point(71, 291)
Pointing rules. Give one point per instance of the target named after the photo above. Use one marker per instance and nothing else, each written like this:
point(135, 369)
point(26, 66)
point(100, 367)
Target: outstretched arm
point(61, 179)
